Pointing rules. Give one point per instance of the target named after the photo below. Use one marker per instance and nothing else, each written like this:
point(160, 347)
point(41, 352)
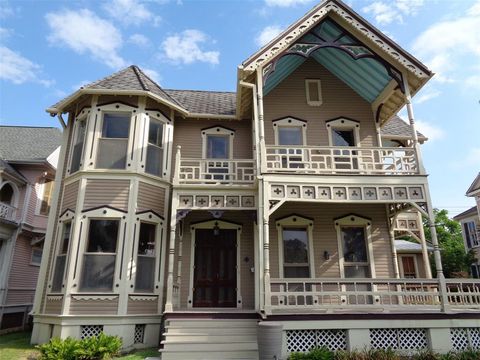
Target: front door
point(215, 268)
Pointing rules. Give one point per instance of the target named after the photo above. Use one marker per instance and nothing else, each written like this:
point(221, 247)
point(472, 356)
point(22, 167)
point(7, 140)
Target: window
point(291, 133)
point(46, 197)
point(218, 147)
point(295, 253)
point(355, 252)
point(145, 275)
point(60, 262)
point(36, 256)
point(99, 258)
point(154, 163)
point(343, 137)
point(78, 146)
point(344, 133)
point(6, 194)
point(471, 236)
point(112, 146)
point(313, 92)
point(408, 267)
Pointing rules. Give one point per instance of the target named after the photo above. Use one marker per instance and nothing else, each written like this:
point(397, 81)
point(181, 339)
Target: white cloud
point(185, 48)
point(18, 69)
point(432, 132)
point(86, 33)
point(152, 74)
point(131, 12)
point(286, 3)
point(139, 40)
point(426, 94)
point(473, 81)
point(78, 85)
point(267, 34)
point(393, 11)
point(444, 43)
point(6, 10)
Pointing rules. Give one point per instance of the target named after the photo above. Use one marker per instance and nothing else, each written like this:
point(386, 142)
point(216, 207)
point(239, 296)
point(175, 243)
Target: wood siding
point(325, 236)
point(93, 307)
point(339, 100)
point(70, 196)
point(151, 197)
point(111, 192)
point(138, 307)
point(54, 306)
point(247, 278)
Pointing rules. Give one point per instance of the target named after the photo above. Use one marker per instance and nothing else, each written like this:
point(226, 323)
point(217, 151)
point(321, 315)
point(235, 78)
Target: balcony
point(344, 295)
point(324, 160)
point(7, 212)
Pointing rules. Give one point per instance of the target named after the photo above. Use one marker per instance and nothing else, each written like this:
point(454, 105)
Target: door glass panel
point(295, 253)
point(354, 247)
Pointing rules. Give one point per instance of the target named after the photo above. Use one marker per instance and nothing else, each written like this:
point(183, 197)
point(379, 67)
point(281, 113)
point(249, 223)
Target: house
point(28, 158)
point(470, 222)
point(190, 217)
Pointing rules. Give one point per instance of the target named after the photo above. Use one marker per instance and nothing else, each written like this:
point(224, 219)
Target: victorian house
point(28, 158)
point(183, 219)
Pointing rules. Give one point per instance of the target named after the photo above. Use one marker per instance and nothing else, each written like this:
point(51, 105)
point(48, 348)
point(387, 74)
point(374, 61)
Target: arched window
point(6, 194)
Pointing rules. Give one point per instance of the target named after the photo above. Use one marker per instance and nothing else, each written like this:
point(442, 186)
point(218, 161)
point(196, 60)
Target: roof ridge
point(30, 126)
point(157, 85)
point(209, 91)
point(137, 72)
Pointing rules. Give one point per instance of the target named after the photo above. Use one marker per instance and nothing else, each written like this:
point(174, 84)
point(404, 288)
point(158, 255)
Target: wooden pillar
point(426, 259)
point(266, 250)
point(391, 233)
point(171, 255)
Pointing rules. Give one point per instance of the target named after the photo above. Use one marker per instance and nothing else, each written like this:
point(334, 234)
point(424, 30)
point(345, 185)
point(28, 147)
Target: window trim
point(295, 221)
point(83, 116)
point(353, 220)
point(343, 123)
point(290, 122)
point(217, 130)
point(148, 217)
point(318, 102)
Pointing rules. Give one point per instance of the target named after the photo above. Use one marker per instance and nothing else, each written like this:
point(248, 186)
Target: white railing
point(391, 294)
point(7, 212)
point(328, 160)
point(216, 171)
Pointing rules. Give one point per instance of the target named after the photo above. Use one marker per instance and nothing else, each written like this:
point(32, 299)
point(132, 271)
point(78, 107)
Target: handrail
point(7, 211)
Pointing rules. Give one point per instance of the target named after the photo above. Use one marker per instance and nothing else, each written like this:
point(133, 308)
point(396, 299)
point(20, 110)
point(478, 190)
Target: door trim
point(209, 225)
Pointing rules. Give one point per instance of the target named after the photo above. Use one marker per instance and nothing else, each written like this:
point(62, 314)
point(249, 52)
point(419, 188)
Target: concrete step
point(176, 330)
point(209, 338)
point(209, 355)
point(210, 346)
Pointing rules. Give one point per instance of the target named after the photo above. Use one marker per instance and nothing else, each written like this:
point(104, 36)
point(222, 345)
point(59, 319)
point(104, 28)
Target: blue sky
point(48, 49)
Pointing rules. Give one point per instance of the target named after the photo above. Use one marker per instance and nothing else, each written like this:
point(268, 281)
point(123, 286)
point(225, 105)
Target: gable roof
point(397, 129)
point(475, 186)
point(470, 212)
point(28, 143)
point(9, 169)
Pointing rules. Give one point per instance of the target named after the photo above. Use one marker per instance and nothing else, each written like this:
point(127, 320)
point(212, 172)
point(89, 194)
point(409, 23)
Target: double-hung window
point(145, 273)
point(78, 145)
point(59, 271)
point(100, 255)
point(154, 163)
point(113, 143)
point(217, 150)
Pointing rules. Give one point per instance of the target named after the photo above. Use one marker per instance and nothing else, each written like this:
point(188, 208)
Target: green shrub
point(93, 348)
point(426, 355)
point(321, 353)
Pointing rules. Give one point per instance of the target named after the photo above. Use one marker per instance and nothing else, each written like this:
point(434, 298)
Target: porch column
point(391, 233)
point(171, 257)
point(426, 259)
point(266, 250)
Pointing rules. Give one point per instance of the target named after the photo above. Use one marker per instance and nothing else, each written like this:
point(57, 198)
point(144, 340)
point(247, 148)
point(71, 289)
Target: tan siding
point(108, 99)
point(325, 236)
point(151, 197)
point(22, 274)
point(339, 100)
point(136, 307)
point(112, 192)
point(93, 307)
point(53, 306)
point(70, 196)
point(247, 278)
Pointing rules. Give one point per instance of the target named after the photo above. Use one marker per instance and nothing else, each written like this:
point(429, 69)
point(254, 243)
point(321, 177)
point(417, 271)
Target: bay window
point(100, 255)
point(59, 270)
point(113, 143)
point(146, 255)
point(154, 163)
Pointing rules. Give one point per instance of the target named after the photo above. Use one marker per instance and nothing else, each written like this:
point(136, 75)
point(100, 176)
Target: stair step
point(210, 323)
point(213, 346)
point(209, 338)
point(211, 331)
point(209, 355)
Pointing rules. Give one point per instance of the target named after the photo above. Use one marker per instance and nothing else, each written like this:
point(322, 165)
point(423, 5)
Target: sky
point(48, 49)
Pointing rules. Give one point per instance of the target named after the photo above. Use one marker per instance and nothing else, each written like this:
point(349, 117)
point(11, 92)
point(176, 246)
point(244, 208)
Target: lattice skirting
point(87, 331)
point(305, 340)
point(399, 339)
point(139, 334)
point(464, 338)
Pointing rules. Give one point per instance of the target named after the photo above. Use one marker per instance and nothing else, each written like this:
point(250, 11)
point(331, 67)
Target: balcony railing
point(216, 171)
point(341, 160)
point(385, 294)
point(7, 212)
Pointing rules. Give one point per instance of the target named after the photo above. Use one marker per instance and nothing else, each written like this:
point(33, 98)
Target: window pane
point(343, 137)
point(145, 275)
point(58, 273)
point(65, 237)
point(98, 272)
point(295, 246)
point(154, 163)
point(36, 256)
point(146, 240)
point(289, 135)
point(112, 154)
point(78, 146)
point(155, 132)
point(357, 272)
point(102, 236)
point(354, 247)
point(217, 147)
point(47, 194)
point(116, 126)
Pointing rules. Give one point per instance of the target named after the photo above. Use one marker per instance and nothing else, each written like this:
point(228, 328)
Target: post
point(171, 255)
point(176, 174)
point(266, 250)
point(263, 155)
point(426, 259)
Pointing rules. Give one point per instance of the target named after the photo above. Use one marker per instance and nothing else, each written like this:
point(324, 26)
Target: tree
point(449, 233)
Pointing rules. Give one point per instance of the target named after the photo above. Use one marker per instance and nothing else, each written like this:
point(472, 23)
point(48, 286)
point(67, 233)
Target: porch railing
point(350, 160)
point(310, 294)
point(7, 212)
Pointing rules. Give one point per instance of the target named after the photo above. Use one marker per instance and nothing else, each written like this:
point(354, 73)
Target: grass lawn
point(16, 346)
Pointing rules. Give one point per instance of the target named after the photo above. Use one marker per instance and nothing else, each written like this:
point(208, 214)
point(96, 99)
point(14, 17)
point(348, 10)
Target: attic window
point(313, 92)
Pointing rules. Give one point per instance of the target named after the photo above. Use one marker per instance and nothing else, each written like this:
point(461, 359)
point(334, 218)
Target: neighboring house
point(28, 159)
point(470, 222)
point(200, 214)
point(411, 263)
